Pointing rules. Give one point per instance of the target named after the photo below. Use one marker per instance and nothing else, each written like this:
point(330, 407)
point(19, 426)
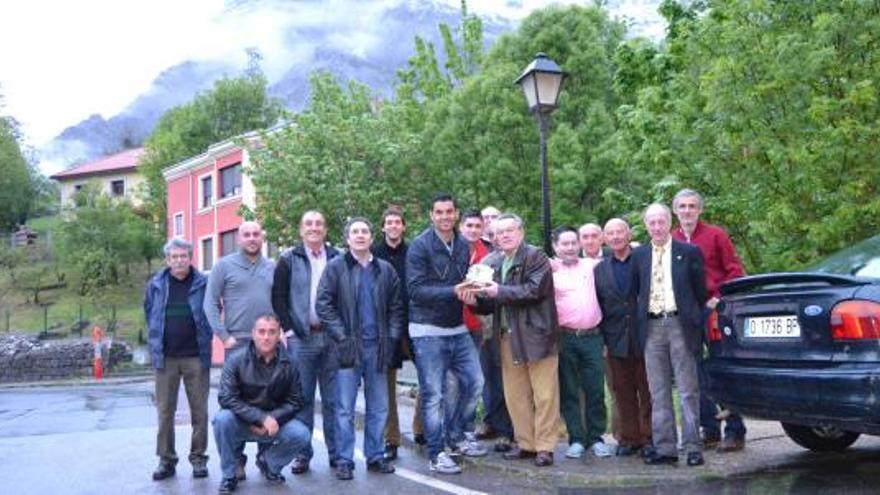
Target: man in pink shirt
point(721, 264)
point(581, 364)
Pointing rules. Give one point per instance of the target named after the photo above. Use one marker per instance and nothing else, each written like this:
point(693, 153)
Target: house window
point(117, 188)
point(207, 253)
point(227, 242)
point(230, 181)
point(207, 191)
point(178, 225)
point(78, 187)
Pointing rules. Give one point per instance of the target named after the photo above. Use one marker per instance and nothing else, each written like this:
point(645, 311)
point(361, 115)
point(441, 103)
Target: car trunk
point(781, 318)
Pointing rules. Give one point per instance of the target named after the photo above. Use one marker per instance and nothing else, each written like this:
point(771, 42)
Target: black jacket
point(618, 324)
point(432, 273)
point(397, 257)
point(688, 285)
point(527, 299)
point(252, 389)
point(337, 305)
point(291, 288)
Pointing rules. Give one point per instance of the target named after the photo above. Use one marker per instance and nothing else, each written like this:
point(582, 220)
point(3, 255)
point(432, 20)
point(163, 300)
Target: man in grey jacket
point(240, 286)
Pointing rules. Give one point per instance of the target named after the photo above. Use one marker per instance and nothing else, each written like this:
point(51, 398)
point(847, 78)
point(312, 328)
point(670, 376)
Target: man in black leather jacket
point(260, 394)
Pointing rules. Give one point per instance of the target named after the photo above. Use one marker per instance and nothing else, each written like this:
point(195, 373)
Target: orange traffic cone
point(98, 368)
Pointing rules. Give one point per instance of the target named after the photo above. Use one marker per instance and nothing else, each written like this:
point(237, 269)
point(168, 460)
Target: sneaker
point(443, 464)
point(228, 485)
point(575, 451)
point(602, 449)
point(470, 447)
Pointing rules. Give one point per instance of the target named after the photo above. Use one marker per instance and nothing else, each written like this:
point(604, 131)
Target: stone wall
point(27, 358)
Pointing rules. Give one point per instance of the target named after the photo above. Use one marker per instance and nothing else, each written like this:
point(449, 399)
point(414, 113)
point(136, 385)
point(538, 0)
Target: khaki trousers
point(531, 391)
point(392, 427)
point(197, 382)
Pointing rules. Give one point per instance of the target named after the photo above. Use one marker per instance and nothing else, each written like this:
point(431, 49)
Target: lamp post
point(541, 83)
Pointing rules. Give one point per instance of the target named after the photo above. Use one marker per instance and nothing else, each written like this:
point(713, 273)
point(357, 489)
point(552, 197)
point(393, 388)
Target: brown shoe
point(518, 453)
point(731, 444)
point(544, 458)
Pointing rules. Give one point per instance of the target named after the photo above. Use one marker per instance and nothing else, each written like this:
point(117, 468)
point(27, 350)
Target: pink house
point(204, 195)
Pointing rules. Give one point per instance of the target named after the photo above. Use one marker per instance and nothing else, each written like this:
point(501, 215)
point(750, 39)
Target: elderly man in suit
point(626, 360)
point(671, 294)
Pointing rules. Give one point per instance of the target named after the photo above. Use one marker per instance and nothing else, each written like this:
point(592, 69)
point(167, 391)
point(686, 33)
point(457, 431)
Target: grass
point(60, 308)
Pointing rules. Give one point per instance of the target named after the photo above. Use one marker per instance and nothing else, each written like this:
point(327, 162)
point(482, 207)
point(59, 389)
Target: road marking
point(412, 475)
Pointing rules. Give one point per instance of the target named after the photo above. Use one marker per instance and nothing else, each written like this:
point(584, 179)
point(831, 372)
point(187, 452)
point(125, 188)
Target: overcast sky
point(62, 60)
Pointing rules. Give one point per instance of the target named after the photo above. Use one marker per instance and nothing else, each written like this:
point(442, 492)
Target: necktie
point(658, 295)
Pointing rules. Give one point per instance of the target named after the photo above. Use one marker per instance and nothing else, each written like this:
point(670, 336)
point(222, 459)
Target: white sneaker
point(602, 449)
point(443, 464)
point(470, 447)
point(575, 451)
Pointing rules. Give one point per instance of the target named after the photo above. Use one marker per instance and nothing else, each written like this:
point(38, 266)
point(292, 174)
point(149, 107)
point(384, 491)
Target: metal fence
point(70, 321)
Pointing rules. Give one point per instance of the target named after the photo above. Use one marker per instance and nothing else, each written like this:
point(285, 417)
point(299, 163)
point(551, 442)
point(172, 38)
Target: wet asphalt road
point(101, 439)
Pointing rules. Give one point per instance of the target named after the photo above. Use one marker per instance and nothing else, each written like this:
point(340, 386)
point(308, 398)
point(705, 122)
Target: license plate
point(772, 327)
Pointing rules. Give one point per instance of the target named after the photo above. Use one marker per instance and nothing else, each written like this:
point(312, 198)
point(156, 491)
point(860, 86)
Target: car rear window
point(862, 260)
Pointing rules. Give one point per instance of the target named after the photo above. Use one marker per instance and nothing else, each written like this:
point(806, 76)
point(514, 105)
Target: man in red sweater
point(721, 265)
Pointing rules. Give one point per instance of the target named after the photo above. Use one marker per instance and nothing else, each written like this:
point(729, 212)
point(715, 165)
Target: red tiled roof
point(122, 161)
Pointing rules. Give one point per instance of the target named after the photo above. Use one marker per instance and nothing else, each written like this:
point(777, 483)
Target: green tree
point(15, 176)
point(770, 109)
point(98, 237)
point(339, 156)
point(232, 107)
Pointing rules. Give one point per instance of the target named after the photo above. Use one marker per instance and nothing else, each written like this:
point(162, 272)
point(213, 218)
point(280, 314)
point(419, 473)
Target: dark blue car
point(804, 348)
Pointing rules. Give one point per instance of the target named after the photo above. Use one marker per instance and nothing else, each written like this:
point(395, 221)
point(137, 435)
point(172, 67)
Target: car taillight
point(714, 331)
point(855, 320)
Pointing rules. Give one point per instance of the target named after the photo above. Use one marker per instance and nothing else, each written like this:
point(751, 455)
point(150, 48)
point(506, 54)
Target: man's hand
point(270, 425)
point(230, 342)
point(465, 292)
point(490, 291)
point(712, 302)
point(258, 430)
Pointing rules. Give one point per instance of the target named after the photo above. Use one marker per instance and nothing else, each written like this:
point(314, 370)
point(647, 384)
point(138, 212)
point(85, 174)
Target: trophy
point(479, 275)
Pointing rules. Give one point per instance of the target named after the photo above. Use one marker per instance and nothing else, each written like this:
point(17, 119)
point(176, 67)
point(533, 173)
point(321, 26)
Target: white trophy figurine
point(479, 275)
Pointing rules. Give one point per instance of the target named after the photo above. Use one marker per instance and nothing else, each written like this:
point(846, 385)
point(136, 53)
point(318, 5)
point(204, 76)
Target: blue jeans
point(376, 396)
point(231, 433)
point(435, 356)
point(497, 416)
point(311, 357)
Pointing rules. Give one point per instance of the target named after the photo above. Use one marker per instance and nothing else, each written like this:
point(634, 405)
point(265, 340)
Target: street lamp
point(541, 83)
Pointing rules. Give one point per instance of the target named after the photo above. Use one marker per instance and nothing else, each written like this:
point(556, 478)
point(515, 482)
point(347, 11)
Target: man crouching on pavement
point(260, 393)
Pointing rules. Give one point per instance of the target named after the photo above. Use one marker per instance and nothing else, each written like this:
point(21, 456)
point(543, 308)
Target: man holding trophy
point(515, 284)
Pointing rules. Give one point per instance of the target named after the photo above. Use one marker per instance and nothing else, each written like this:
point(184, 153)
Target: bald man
point(240, 284)
point(626, 361)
